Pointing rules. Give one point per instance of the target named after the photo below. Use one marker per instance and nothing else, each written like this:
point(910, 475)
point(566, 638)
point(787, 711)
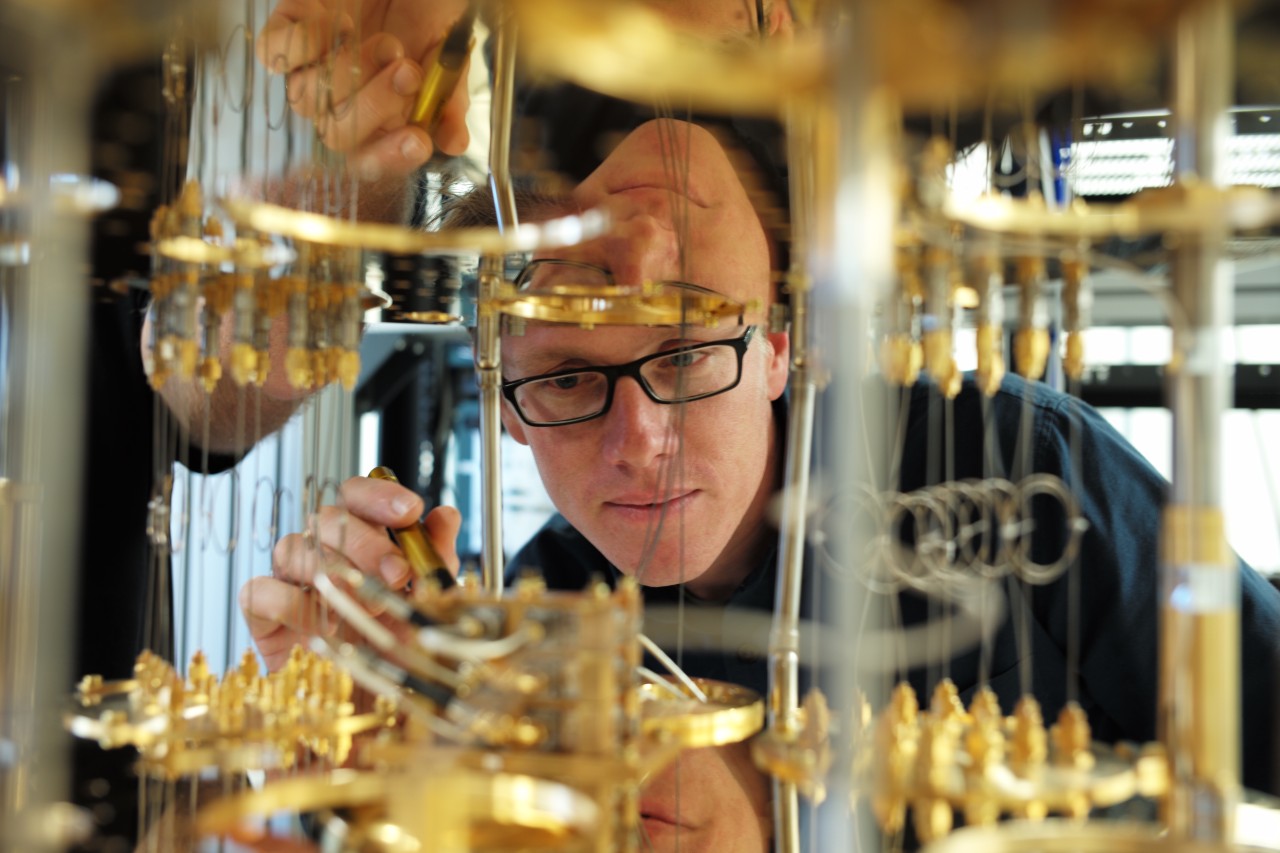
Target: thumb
point(443, 524)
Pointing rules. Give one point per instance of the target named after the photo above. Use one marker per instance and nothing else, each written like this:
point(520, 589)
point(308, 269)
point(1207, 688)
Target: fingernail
point(406, 80)
point(387, 52)
point(395, 570)
point(412, 149)
point(402, 504)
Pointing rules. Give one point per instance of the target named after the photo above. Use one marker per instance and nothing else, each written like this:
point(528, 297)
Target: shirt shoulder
point(561, 556)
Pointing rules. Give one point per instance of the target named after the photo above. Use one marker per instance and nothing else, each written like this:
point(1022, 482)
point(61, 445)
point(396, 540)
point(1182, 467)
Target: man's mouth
point(657, 816)
point(644, 507)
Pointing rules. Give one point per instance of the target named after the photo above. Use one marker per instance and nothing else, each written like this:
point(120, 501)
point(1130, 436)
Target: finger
point(360, 543)
point(300, 32)
point(316, 89)
point(443, 524)
point(380, 106)
point(394, 154)
point(296, 557)
point(382, 502)
point(279, 616)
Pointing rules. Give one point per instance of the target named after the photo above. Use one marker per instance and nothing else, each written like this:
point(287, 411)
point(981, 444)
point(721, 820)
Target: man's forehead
point(563, 341)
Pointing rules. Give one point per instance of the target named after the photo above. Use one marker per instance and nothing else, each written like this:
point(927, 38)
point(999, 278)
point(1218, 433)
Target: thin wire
point(1075, 443)
point(653, 649)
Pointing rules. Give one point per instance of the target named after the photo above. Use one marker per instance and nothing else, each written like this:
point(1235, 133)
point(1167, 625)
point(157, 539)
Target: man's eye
point(683, 359)
point(580, 383)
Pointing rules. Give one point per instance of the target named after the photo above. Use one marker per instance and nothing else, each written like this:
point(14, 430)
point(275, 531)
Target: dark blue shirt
point(1025, 428)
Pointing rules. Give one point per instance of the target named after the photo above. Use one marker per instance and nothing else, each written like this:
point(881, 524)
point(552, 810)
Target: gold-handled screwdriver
point(421, 554)
point(444, 69)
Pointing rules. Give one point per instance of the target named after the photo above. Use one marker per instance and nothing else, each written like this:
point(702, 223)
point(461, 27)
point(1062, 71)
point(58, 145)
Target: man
point(676, 495)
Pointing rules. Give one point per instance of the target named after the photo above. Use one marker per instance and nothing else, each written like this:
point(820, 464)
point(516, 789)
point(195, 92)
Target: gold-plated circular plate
point(1182, 208)
point(246, 254)
point(731, 714)
point(1064, 836)
point(491, 811)
point(613, 305)
point(328, 231)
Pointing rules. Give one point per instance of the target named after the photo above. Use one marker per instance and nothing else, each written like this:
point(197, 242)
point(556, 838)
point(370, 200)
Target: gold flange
point(326, 230)
point(1184, 208)
point(492, 809)
point(731, 714)
point(1065, 836)
point(244, 253)
point(656, 304)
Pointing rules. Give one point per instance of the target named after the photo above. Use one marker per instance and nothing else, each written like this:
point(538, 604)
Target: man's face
point(710, 800)
point(668, 493)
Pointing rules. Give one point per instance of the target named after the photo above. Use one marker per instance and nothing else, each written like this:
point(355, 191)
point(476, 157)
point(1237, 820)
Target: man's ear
point(779, 363)
point(512, 422)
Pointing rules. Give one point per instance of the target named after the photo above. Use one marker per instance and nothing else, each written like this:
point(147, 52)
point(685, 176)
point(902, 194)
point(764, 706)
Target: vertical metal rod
point(489, 321)
point(784, 639)
point(1199, 705)
point(44, 430)
point(852, 263)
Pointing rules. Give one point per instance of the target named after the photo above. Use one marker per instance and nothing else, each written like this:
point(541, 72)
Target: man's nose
point(637, 430)
point(642, 248)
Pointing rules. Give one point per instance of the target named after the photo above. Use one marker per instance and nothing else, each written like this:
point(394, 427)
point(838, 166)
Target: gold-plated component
point(901, 353)
point(1075, 304)
point(901, 359)
point(246, 720)
point(1031, 341)
point(653, 304)
point(984, 744)
point(940, 361)
point(896, 744)
point(931, 811)
point(1031, 352)
point(987, 275)
point(731, 714)
point(985, 705)
point(986, 765)
point(1072, 737)
point(1187, 208)
point(435, 809)
point(991, 367)
point(802, 756)
point(1029, 746)
point(244, 363)
point(347, 370)
point(946, 705)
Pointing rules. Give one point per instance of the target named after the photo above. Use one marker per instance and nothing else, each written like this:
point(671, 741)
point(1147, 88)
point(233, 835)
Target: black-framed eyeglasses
point(679, 375)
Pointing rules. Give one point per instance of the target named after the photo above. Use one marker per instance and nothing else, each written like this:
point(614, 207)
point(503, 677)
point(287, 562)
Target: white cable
point(679, 673)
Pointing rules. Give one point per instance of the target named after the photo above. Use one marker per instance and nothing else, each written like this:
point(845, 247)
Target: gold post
point(488, 325)
point(1199, 704)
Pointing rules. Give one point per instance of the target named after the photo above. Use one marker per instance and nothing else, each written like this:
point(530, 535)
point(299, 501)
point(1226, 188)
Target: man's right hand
point(354, 68)
point(283, 610)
